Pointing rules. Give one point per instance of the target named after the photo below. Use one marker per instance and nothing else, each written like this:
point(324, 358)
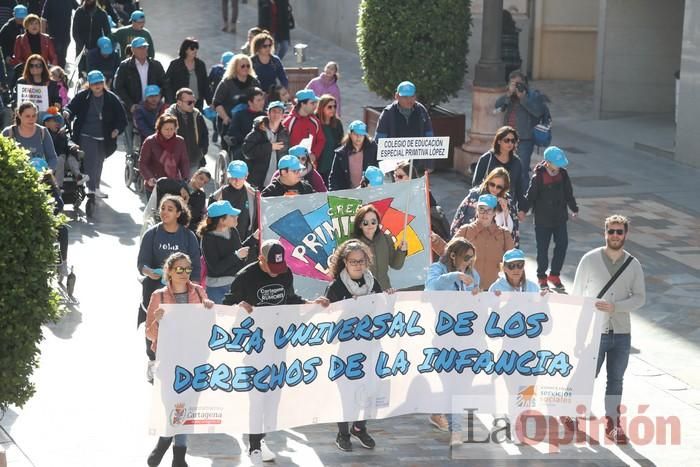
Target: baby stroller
point(132, 175)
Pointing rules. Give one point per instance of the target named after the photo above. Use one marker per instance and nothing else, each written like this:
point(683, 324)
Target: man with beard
point(616, 278)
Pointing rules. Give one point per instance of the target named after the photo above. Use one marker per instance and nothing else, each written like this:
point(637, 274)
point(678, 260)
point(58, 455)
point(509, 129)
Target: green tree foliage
point(28, 263)
point(423, 41)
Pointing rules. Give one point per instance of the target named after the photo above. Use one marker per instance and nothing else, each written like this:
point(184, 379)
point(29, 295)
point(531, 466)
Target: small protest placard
point(36, 94)
point(432, 147)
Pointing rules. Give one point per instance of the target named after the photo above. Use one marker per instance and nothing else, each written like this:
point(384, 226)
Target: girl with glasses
point(268, 66)
point(179, 289)
point(188, 71)
point(384, 254)
point(352, 278)
point(496, 183)
point(513, 278)
point(502, 154)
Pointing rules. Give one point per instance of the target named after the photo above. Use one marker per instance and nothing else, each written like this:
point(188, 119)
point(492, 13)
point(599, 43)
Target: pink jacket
point(322, 85)
point(195, 294)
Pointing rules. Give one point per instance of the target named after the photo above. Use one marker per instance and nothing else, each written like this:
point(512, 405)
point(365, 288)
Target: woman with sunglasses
point(502, 154)
point(350, 269)
point(36, 73)
point(268, 67)
point(496, 183)
point(513, 278)
point(326, 112)
point(384, 253)
point(170, 234)
point(232, 92)
point(188, 71)
point(454, 271)
point(357, 152)
point(179, 289)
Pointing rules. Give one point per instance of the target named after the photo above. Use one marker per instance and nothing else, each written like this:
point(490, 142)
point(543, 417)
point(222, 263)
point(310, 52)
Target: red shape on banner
point(382, 205)
point(393, 221)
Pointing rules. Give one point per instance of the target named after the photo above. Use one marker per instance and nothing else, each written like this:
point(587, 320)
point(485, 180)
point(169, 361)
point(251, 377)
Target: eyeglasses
point(515, 265)
point(36, 65)
point(509, 140)
point(194, 47)
point(616, 232)
point(266, 46)
point(180, 270)
point(493, 185)
point(483, 210)
point(367, 223)
point(330, 106)
point(189, 102)
point(356, 262)
point(244, 65)
point(400, 176)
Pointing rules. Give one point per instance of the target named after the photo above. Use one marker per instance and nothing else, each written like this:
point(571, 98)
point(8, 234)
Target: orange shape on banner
point(393, 221)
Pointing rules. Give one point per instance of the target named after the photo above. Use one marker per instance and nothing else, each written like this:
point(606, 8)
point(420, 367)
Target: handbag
point(614, 277)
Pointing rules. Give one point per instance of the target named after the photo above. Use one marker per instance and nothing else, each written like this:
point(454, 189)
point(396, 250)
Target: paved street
point(92, 399)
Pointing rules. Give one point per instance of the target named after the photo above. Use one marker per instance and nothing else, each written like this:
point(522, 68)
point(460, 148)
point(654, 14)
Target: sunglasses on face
point(36, 65)
point(356, 262)
point(180, 270)
point(189, 102)
point(509, 140)
point(330, 106)
point(493, 185)
point(194, 47)
point(616, 232)
point(400, 176)
point(244, 65)
point(367, 223)
point(266, 46)
point(515, 265)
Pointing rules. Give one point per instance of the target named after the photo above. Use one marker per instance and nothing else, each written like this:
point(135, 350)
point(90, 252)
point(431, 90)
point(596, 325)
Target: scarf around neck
point(353, 287)
point(167, 145)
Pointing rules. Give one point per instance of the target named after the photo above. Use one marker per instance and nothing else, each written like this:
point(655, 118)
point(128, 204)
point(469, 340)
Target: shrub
point(27, 262)
point(416, 40)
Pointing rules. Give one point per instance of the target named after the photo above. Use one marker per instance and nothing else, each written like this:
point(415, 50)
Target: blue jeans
point(524, 152)
point(281, 47)
point(561, 241)
point(616, 347)
point(216, 294)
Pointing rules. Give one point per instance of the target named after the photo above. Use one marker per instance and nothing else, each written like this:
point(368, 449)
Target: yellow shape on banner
point(414, 243)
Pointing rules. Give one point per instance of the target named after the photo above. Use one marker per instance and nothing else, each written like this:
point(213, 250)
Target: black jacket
point(219, 253)
point(257, 151)
point(196, 139)
point(245, 200)
point(549, 201)
point(241, 124)
point(265, 18)
point(256, 287)
point(54, 97)
point(488, 161)
point(58, 14)
point(114, 116)
point(276, 188)
point(178, 77)
point(88, 26)
point(198, 205)
point(337, 291)
point(127, 83)
point(8, 34)
point(339, 178)
point(392, 124)
point(107, 65)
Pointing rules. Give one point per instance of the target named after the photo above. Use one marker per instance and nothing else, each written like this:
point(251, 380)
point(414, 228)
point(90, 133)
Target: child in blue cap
point(549, 195)
point(513, 278)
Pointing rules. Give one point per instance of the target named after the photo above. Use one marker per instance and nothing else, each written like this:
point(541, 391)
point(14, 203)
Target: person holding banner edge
point(179, 289)
point(266, 282)
point(384, 254)
point(352, 278)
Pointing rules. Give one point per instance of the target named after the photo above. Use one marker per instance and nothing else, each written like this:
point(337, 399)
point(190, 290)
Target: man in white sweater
point(624, 296)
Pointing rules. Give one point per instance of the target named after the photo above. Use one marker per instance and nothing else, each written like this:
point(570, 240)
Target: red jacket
point(23, 50)
point(300, 127)
point(155, 163)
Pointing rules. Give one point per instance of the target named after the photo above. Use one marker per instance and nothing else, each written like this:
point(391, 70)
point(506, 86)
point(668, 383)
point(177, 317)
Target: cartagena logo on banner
point(183, 415)
point(310, 227)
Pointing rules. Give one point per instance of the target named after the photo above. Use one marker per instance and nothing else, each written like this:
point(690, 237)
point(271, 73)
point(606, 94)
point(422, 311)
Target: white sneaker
point(256, 457)
point(267, 454)
point(456, 439)
point(100, 194)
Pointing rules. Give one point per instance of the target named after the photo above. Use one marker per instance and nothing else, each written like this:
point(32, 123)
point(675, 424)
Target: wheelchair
point(132, 175)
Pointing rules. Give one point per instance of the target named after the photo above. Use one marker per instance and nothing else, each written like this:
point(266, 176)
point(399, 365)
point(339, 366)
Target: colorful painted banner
point(311, 226)
point(226, 371)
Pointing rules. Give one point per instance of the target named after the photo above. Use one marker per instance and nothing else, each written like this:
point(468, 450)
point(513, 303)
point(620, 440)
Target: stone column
point(488, 86)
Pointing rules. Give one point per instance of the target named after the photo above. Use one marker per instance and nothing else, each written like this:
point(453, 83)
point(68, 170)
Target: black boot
point(179, 456)
point(159, 451)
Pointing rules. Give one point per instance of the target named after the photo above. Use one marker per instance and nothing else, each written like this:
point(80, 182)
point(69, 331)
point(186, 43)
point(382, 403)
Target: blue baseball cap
point(138, 42)
point(95, 76)
point(289, 162)
point(487, 200)
point(20, 12)
point(226, 57)
point(137, 16)
point(406, 89)
point(298, 151)
point(222, 208)
point(275, 105)
point(513, 255)
point(374, 176)
point(556, 157)
point(105, 45)
point(39, 164)
point(237, 169)
point(306, 95)
point(358, 127)
point(57, 117)
point(152, 90)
